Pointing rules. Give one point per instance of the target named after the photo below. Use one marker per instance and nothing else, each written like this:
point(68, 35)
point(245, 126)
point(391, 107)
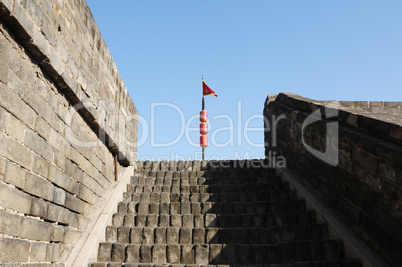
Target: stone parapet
point(361, 182)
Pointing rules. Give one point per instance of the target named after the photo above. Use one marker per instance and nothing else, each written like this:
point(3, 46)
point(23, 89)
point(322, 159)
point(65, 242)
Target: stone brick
point(38, 208)
point(173, 253)
point(58, 233)
point(10, 224)
point(55, 213)
point(11, 198)
point(15, 127)
point(39, 187)
point(199, 236)
point(123, 234)
point(62, 179)
point(40, 166)
point(59, 196)
point(160, 235)
point(146, 254)
point(12, 102)
point(159, 254)
point(72, 236)
point(16, 152)
point(148, 236)
point(186, 236)
point(36, 230)
point(132, 254)
point(188, 221)
point(172, 235)
point(201, 254)
point(187, 254)
point(3, 164)
point(212, 235)
point(215, 252)
point(38, 252)
point(15, 175)
point(210, 220)
point(105, 252)
point(118, 252)
point(13, 250)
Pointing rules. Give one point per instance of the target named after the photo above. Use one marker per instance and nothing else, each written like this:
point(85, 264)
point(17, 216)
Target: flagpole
point(203, 106)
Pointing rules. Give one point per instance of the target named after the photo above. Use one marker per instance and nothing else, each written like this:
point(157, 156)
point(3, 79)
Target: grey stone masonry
point(65, 114)
point(362, 181)
point(228, 213)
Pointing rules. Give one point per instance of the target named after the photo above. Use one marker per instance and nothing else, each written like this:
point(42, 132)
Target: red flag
point(206, 90)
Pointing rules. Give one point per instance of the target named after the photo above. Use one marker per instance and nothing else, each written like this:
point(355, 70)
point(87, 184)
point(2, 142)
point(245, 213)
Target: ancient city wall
point(64, 114)
point(362, 183)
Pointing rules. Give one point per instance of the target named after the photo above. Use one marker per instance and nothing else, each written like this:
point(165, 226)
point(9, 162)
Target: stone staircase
point(228, 213)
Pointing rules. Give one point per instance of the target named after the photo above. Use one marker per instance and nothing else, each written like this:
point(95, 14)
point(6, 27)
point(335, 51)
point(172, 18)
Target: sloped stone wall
point(64, 114)
point(362, 184)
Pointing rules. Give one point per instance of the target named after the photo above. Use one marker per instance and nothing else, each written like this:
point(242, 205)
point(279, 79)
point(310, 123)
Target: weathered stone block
point(105, 252)
point(143, 208)
point(15, 175)
point(39, 187)
point(187, 254)
point(172, 235)
point(132, 254)
point(185, 208)
point(136, 235)
point(58, 233)
point(159, 254)
point(38, 208)
point(152, 220)
point(146, 254)
point(39, 145)
point(173, 254)
point(188, 221)
point(38, 252)
point(118, 252)
point(212, 236)
point(36, 230)
point(123, 234)
point(164, 221)
point(11, 224)
point(13, 250)
point(40, 166)
point(199, 236)
point(16, 152)
point(59, 196)
point(74, 203)
point(11, 198)
point(160, 235)
point(186, 236)
point(201, 254)
point(215, 253)
point(148, 236)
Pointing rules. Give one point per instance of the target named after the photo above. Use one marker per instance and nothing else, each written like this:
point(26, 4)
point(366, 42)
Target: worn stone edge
point(361, 250)
point(85, 251)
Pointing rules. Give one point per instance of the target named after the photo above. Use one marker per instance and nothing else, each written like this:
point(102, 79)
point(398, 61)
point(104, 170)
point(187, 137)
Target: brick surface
point(13, 250)
point(13, 199)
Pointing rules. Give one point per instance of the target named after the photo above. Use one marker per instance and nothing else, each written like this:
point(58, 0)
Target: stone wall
point(362, 183)
point(64, 114)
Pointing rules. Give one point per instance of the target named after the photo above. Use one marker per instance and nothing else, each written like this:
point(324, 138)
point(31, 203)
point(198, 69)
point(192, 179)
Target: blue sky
point(325, 50)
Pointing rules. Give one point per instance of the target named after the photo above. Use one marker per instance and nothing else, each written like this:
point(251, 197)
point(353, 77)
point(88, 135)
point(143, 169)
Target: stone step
point(254, 235)
point(198, 174)
point(164, 197)
point(337, 263)
point(201, 165)
point(215, 220)
point(195, 208)
point(187, 189)
point(200, 181)
point(284, 252)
